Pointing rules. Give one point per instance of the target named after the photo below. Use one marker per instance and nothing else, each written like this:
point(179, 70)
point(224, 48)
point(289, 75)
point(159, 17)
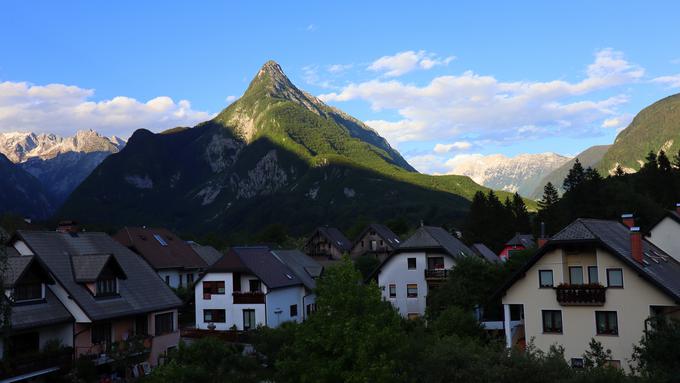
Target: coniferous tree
point(592, 175)
point(651, 165)
point(575, 177)
point(550, 196)
point(519, 209)
point(663, 162)
point(619, 171)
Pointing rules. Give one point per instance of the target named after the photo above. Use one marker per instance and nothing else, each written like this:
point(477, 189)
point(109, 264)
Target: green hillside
point(656, 127)
point(276, 156)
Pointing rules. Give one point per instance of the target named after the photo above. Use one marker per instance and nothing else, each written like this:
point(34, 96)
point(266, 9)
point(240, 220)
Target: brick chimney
point(542, 240)
point(628, 220)
point(68, 227)
point(636, 244)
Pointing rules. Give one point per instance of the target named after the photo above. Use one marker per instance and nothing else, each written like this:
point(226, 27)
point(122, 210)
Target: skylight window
point(289, 276)
point(160, 239)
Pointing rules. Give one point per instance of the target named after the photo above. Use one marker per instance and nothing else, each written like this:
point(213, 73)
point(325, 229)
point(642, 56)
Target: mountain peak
point(271, 68)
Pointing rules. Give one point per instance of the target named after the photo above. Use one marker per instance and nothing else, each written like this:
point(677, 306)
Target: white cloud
point(339, 68)
point(404, 62)
point(489, 108)
point(458, 145)
point(230, 99)
point(672, 81)
point(617, 122)
point(62, 109)
point(311, 28)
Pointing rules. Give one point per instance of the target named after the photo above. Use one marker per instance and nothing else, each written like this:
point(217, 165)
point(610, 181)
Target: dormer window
point(28, 292)
point(25, 279)
point(107, 287)
point(160, 239)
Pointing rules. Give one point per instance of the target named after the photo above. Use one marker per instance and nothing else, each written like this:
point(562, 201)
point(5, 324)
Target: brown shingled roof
point(161, 248)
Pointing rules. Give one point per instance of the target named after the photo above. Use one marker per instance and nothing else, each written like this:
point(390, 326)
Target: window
point(311, 308)
point(412, 291)
point(160, 239)
point(141, 325)
point(435, 263)
point(167, 280)
point(213, 287)
point(214, 316)
point(190, 279)
point(248, 319)
point(576, 275)
point(293, 311)
point(27, 292)
point(614, 278)
point(374, 245)
point(179, 276)
point(576, 362)
point(107, 287)
point(552, 321)
point(101, 333)
point(411, 263)
point(606, 323)
point(165, 323)
point(592, 275)
point(545, 278)
point(393, 291)
point(255, 285)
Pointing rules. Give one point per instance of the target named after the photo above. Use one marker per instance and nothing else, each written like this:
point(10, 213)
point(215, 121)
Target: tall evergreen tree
point(592, 175)
point(575, 177)
point(550, 196)
point(651, 165)
point(619, 171)
point(519, 210)
point(664, 162)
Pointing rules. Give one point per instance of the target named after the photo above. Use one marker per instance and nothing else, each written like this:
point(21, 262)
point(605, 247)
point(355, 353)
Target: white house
point(595, 279)
point(252, 286)
point(665, 234)
point(418, 264)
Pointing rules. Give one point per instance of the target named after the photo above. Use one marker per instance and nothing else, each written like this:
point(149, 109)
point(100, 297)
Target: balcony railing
point(581, 295)
point(434, 274)
point(43, 361)
point(248, 297)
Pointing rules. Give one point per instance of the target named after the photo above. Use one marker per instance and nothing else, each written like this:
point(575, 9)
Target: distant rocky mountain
point(278, 155)
point(590, 157)
point(520, 174)
point(656, 127)
point(21, 193)
point(59, 163)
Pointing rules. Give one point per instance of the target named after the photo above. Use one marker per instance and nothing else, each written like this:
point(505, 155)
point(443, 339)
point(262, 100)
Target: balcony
point(581, 295)
point(248, 297)
point(436, 274)
point(37, 364)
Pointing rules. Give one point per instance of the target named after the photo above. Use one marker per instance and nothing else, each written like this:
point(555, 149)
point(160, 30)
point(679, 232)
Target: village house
point(40, 340)
point(419, 264)
point(595, 279)
point(254, 286)
point(327, 243)
point(665, 234)
point(517, 243)
point(174, 260)
point(375, 240)
point(112, 294)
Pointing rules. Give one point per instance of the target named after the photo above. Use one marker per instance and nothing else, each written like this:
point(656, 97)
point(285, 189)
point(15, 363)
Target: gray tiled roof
point(526, 240)
point(658, 268)
point(302, 265)
point(261, 262)
point(16, 265)
point(88, 267)
point(48, 312)
point(431, 237)
point(384, 232)
point(484, 252)
point(141, 292)
point(336, 237)
point(209, 254)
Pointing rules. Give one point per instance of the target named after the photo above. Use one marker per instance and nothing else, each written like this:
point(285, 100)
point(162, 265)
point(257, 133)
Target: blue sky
point(470, 78)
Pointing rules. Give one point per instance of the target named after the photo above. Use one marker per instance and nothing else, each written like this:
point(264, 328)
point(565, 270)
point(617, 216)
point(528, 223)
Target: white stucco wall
point(632, 304)
point(233, 312)
point(666, 236)
point(176, 276)
point(395, 271)
point(279, 300)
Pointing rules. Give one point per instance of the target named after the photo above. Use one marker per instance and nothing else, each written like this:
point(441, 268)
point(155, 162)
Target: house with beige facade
point(327, 243)
point(111, 294)
point(595, 279)
point(375, 240)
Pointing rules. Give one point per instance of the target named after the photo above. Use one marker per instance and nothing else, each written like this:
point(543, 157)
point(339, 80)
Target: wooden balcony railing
point(248, 297)
point(581, 295)
point(43, 361)
point(431, 274)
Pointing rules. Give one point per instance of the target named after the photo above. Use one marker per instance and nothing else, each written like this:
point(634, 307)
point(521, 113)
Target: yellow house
point(595, 279)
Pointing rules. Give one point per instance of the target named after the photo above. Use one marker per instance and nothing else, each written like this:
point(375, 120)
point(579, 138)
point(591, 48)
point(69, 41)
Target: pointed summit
point(271, 81)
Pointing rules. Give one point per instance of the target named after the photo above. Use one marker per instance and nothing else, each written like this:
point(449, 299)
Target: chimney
point(677, 207)
point(542, 240)
point(636, 244)
point(68, 227)
point(628, 220)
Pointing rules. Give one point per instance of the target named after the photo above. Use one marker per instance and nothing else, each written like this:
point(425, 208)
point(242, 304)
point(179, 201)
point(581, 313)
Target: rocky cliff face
point(59, 163)
point(519, 174)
